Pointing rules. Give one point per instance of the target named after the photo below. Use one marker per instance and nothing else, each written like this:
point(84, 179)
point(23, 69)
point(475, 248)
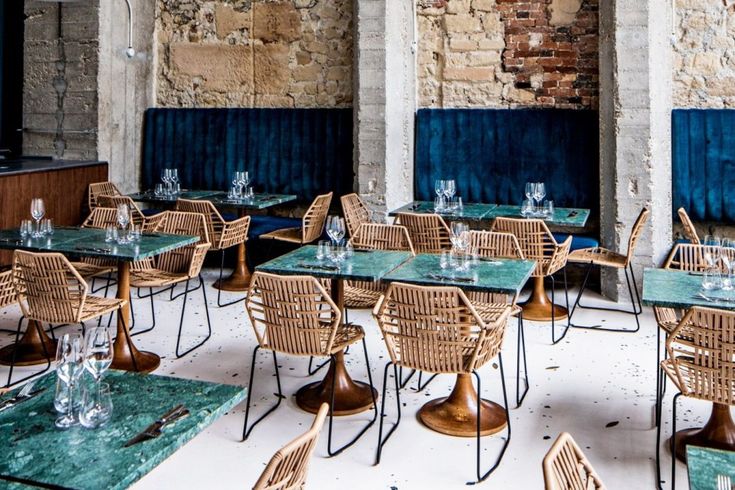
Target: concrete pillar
point(385, 101)
point(125, 87)
point(635, 130)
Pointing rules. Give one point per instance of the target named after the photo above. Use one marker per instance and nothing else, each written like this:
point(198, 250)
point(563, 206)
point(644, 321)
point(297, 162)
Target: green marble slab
point(259, 201)
point(681, 289)
point(470, 211)
point(150, 197)
point(90, 242)
point(505, 276)
point(569, 217)
point(705, 464)
point(34, 450)
point(368, 265)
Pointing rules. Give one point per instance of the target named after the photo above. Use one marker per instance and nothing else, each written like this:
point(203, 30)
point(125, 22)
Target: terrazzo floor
point(597, 386)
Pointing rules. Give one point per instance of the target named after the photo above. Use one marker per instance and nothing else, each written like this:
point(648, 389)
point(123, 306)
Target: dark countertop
point(30, 165)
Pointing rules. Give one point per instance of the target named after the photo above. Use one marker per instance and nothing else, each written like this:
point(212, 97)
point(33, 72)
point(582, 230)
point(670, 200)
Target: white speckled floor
point(580, 385)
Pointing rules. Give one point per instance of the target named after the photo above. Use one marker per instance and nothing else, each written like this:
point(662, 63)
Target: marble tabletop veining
point(682, 289)
point(218, 198)
point(705, 464)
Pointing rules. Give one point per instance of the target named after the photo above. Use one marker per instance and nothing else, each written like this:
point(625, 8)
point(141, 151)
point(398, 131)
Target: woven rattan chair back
point(690, 232)
point(702, 355)
point(436, 329)
point(534, 238)
point(48, 287)
point(292, 314)
point(98, 189)
point(180, 223)
point(288, 468)
point(429, 233)
point(7, 290)
point(567, 468)
point(356, 212)
point(212, 217)
point(136, 215)
point(312, 224)
point(636, 233)
point(493, 244)
point(691, 258)
point(378, 236)
point(101, 218)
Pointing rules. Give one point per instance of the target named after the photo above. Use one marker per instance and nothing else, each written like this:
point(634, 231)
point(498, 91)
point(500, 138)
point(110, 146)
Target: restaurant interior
point(367, 244)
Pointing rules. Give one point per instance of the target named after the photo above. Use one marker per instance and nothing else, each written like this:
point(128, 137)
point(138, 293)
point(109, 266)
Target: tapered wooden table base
point(350, 397)
point(718, 433)
point(456, 415)
point(29, 350)
point(239, 280)
point(126, 356)
point(538, 307)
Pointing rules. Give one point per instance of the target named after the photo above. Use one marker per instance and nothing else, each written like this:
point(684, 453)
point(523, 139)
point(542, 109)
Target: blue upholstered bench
point(579, 242)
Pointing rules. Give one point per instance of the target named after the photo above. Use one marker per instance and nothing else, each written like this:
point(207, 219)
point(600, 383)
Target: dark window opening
point(11, 77)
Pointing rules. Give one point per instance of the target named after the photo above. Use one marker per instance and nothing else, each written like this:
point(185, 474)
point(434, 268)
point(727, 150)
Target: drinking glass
point(322, 250)
point(727, 255)
point(111, 234)
point(712, 251)
point(548, 209)
point(459, 205)
point(123, 219)
point(539, 192)
point(529, 190)
point(47, 227)
point(444, 260)
point(336, 229)
point(337, 253)
point(711, 279)
point(243, 179)
point(159, 191)
point(349, 250)
point(439, 187)
point(166, 179)
point(236, 185)
point(450, 189)
point(460, 235)
point(38, 209)
point(175, 182)
point(439, 204)
point(96, 406)
point(26, 228)
point(69, 367)
point(97, 359)
point(527, 208)
point(135, 233)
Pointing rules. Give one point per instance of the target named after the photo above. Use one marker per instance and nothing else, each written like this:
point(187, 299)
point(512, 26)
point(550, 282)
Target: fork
point(24, 392)
point(723, 482)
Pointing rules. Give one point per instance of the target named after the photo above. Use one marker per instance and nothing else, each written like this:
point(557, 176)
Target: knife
point(17, 400)
point(155, 429)
point(328, 268)
point(96, 250)
point(439, 277)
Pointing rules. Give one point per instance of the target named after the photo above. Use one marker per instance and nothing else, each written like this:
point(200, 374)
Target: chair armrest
point(378, 306)
point(559, 257)
point(197, 258)
point(234, 233)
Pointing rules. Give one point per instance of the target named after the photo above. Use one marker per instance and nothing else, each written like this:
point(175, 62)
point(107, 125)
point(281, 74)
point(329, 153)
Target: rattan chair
point(429, 233)
point(312, 224)
point(223, 234)
point(690, 232)
point(567, 468)
point(51, 291)
point(98, 189)
point(437, 330)
point(288, 468)
point(295, 315)
point(537, 243)
point(356, 212)
point(136, 214)
point(93, 267)
point(603, 257)
point(179, 266)
point(701, 364)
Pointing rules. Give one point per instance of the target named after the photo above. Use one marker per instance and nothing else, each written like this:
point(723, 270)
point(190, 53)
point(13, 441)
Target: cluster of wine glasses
point(39, 227)
point(461, 257)
point(445, 201)
point(170, 184)
point(125, 231)
point(719, 260)
point(534, 205)
point(239, 189)
point(336, 249)
point(92, 407)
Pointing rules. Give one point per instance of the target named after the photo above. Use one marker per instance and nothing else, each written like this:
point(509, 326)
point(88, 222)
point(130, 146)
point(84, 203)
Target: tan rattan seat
point(288, 468)
point(374, 236)
point(429, 233)
point(537, 243)
point(356, 212)
point(690, 232)
point(222, 234)
point(7, 290)
point(98, 189)
point(567, 468)
point(312, 224)
point(91, 267)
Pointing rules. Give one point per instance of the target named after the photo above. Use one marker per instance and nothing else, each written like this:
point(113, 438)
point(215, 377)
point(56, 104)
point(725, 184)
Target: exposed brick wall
point(260, 53)
point(501, 53)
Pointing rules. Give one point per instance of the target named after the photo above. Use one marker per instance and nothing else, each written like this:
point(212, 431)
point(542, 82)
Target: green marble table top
point(218, 198)
point(705, 464)
point(681, 289)
point(150, 197)
point(365, 265)
point(506, 276)
point(90, 242)
point(568, 217)
point(35, 451)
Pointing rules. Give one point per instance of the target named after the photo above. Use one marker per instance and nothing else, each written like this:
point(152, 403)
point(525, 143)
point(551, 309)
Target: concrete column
point(385, 101)
point(635, 131)
point(125, 87)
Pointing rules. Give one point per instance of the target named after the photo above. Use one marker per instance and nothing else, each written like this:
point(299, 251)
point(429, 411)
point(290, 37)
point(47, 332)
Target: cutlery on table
point(723, 482)
point(23, 395)
point(489, 260)
point(95, 250)
point(572, 214)
point(439, 277)
point(156, 428)
point(330, 268)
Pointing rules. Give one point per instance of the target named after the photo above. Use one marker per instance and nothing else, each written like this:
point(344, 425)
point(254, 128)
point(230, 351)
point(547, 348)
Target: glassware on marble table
point(97, 359)
point(69, 368)
point(38, 210)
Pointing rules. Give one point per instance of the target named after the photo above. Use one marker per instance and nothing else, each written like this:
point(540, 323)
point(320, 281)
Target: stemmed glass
point(38, 210)
point(69, 367)
point(460, 235)
point(123, 219)
point(175, 182)
point(243, 180)
point(539, 192)
point(97, 359)
point(450, 190)
point(336, 229)
point(440, 187)
point(712, 250)
point(728, 259)
point(166, 179)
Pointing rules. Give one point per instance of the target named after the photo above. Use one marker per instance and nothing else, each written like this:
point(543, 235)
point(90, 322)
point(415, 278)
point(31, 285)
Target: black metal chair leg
point(404, 382)
point(521, 348)
point(219, 290)
point(150, 296)
point(313, 372)
point(245, 431)
point(331, 409)
point(381, 441)
point(554, 340)
point(635, 301)
point(179, 355)
point(673, 442)
point(15, 352)
point(421, 387)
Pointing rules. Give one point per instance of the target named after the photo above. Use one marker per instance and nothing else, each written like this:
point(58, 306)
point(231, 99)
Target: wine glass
point(166, 179)
point(450, 189)
point(336, 229)
point(460, 235)
point(439, 187)
point(175, 182)
point(97, 359)
point(38, 210)
point(539, 192)
point(69, 367)
point(727, 255)
point(123, 219)
point(243, 180)
point(712, 250)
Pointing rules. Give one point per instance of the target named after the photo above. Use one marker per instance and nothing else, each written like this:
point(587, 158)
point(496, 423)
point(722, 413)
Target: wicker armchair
point(537, 243)
point(295, 315)
point(701, 363)
point(50, 290)
point(437, 330)
point(690, 232)
point(93, 267)
point(603, 257)
point(178, 266)
point(356, 212)
point(288, 468)
point(223, 234)
point(312, 224)
point(98, 189)
point(429, 233)
point(567, 468)
point(374, 236)
point(136, 215)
